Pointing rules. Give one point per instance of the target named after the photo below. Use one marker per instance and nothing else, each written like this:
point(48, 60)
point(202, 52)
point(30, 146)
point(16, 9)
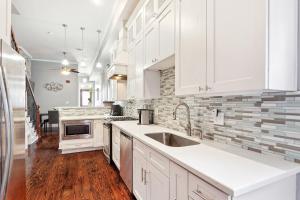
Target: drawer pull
point(142, 175)
point(200, 194)
point(145, 177)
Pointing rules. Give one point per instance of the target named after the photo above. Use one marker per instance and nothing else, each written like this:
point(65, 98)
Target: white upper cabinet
point(5, 20)
point(229, 46)
point(160, 40)
point(131, 74)
point(151, 45)
point(251, 45)
point(150, 11)
point(139, 23)
point(190, 67)
point(139, 68)
point(166, 31)
point(131, 36)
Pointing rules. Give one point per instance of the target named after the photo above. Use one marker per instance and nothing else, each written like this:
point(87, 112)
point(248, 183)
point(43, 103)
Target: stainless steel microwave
point(78, 129)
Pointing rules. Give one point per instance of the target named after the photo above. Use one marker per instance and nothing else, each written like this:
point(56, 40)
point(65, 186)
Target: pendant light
point(65, 62)
point(99, 65)
point(82, 63)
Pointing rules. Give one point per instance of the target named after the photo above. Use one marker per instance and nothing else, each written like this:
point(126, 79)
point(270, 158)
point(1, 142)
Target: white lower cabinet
point(139, 172)
point(98, 133)
point(149, 182)
point(157, 184)
point(116, 146)
point(200, 190)
point(155, 177)
point(178, 182)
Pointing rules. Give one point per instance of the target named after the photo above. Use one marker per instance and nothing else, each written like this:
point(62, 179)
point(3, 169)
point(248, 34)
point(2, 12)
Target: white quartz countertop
point(233, 170)
point(81, 117)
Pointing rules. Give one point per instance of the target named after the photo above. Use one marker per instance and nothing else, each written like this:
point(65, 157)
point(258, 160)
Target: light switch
point(219, 119)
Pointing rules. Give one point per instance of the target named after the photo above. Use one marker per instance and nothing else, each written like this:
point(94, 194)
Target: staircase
point(32, 115)
point(32, 112)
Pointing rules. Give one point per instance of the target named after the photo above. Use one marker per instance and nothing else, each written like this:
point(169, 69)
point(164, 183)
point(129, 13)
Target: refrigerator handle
point(9, 132)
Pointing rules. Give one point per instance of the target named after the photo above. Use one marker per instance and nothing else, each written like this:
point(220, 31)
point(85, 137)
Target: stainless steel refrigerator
point(12, 113)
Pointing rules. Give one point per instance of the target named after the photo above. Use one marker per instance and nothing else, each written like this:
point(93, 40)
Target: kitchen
point(193, 99)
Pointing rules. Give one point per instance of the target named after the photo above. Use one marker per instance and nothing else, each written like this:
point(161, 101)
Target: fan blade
point(74, 71)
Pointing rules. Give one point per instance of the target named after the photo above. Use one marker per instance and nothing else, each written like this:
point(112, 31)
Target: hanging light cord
point(82, 41)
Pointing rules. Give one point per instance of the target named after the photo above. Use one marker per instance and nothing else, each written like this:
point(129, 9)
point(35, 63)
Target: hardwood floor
point(17, 184)
point(79, 176)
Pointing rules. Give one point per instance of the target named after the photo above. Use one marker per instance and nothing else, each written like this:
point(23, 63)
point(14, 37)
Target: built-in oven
point(107, 140)
point(78, 129)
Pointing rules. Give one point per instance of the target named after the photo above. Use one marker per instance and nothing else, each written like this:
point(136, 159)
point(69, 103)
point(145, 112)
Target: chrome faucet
point(188, 127)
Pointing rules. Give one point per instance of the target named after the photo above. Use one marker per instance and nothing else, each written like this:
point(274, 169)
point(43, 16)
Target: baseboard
point(67, 151)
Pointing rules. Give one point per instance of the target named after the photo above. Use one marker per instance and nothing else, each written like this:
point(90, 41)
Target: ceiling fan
point(66, 68)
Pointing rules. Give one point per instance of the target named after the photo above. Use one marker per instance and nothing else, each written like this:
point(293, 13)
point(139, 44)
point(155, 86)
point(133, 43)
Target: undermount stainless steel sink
point(171, 140)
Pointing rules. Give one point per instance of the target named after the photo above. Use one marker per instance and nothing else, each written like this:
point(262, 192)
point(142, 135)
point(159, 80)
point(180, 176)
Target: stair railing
point(33, 109)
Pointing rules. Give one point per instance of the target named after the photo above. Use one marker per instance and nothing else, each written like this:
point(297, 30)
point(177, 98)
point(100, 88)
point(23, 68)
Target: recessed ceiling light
point(97, 2)
point(82, 64)
point(99, 65)
point(65, 62)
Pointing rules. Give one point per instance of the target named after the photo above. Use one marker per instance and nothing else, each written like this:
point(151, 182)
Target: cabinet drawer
point(140, 148)
point(200, 190)
point(160, 162)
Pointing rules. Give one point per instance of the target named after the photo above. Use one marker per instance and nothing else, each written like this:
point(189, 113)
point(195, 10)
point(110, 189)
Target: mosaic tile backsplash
point(267, 123)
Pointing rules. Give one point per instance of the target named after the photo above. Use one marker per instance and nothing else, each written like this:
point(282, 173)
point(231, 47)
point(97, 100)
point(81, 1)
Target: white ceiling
point(38, 27)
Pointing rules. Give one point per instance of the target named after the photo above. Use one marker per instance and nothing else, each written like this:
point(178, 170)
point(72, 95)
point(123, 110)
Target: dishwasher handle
point(126, 135)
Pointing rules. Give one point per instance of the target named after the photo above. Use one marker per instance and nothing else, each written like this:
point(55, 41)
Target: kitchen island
point(81, 128)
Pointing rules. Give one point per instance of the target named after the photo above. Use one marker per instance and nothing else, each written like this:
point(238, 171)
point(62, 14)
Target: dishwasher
point(126, 159)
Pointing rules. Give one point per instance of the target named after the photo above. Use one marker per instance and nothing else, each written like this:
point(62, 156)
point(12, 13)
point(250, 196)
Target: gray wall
point(42, 72)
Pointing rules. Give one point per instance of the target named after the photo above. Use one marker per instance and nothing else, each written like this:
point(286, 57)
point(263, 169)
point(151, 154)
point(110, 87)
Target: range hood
point(117, 72)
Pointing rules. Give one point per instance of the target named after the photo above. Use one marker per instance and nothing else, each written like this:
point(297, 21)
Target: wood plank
point(80, 176)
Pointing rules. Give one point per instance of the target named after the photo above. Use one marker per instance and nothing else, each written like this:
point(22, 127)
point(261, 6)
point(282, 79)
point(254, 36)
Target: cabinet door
point(157, 184)
point(166, 32)
point(139, 25)
point(116, 146)
point(131, 35)
point(131, 74)
point(178, 182)
point(5, 20)
point(139, 172)
point(162, 4)
point(98, 133)
point(150, 12)
point(151, 45)
point(236, 44)
point(200, 190)
point(190, 68)
point(139, 76)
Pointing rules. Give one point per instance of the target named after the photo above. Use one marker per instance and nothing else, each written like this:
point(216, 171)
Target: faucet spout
point(188, 127)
